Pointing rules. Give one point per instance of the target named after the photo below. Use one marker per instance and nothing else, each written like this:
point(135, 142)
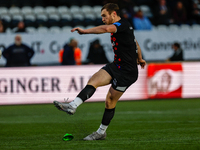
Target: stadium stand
point(61, 13)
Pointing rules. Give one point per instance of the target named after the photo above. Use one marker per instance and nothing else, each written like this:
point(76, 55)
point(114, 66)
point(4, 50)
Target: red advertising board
point(165, 80)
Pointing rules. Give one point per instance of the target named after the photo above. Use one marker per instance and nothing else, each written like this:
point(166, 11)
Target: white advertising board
point(156, 45)
point(29, 85)
point(191, 80)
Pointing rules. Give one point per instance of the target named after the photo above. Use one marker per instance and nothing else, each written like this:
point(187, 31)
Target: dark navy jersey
point(124, 46)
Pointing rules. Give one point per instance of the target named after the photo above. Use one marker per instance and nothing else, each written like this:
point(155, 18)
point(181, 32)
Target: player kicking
point(121, 73)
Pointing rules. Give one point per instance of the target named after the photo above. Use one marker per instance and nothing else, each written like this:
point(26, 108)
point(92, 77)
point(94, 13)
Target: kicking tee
point(124, 47)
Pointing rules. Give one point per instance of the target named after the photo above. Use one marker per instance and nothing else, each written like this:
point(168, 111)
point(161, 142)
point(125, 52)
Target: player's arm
point(141, 61)
point(97, 30)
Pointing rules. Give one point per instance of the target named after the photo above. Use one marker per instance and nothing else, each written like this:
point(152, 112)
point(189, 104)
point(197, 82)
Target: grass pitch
point(137, 125)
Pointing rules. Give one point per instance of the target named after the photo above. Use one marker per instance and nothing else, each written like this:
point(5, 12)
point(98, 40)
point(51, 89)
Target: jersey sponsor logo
point(117, 23)
point(121, 88)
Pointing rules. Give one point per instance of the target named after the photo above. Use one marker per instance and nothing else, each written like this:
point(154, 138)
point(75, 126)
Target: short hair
point(177, 44)
point(110, 7)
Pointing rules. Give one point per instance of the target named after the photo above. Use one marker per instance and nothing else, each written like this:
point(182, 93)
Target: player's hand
point(79, 30)
point(141, 62)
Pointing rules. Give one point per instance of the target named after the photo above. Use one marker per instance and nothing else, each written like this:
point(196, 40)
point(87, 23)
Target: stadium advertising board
point(156, 45)
point(28, 85)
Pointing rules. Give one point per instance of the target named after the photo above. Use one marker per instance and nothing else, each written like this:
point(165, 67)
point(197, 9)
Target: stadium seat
point(86, 9)
point(89, 19)
point(66, 29)
point(98, 20)
point(136, 8)
point(38, 10)
point(26, 10)
point(154, 28)
point(3, 10)
point(97, 9)
point(42, 30)
point(54, 29)
point(173, 27)
point(6, 18)
point(31, 30)
point(14, 10)
point(185, 27)
point(16, 19)
point(50, 10)
point(63, 10)
point(29, 20)
point(146, 11)
point(78, 19)
point(196, 27)
point(8, 31)
point(75, 9)
point(66, 20)
point(162, 28)
point(54, 20)
point(41, 20)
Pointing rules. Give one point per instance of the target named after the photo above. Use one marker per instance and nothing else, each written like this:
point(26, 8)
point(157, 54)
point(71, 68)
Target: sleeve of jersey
point(120, 26)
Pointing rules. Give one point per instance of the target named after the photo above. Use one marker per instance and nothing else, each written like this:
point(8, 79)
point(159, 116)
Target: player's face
point(106, 17)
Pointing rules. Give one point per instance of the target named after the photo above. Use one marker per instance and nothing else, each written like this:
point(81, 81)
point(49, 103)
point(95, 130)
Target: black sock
point(107, 116)
point(87, 92)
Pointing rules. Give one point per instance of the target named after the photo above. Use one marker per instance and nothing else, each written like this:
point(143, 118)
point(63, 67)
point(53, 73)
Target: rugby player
point(121, 73)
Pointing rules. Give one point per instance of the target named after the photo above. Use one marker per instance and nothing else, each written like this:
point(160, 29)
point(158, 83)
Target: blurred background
point(38, 33)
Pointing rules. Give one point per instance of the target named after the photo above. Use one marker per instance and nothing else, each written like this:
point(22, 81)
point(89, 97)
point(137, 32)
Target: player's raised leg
point(100, 78)
point(110, 103)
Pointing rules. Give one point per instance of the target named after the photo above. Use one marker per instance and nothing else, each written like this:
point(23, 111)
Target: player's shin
point(85, 94)
point(107, 117)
